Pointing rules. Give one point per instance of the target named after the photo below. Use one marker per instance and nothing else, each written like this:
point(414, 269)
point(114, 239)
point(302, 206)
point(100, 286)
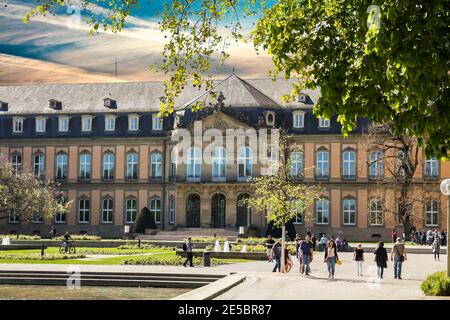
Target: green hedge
point(168, 261)
point(134, 246)
point(21, 237)
point(436, 284)
point(37, 256)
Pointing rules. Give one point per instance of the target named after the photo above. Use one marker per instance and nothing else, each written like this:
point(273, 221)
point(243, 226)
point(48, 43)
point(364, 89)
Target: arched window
point(62, 165)
point(322, 164)
point(376, 216)
point(193, 211)
point(155, 208)
point(219, 163)
point(156, 166)
point(431, 168)
point(297, 164)
point(376, 165)
point(244, 212)
point(84, 210)
point(109, 160)
point(193, 164)
point(85, 166)
point(218, 210)
point(132, 166)
point(432, 213)
point(39, 165)
point(107, 210)
point(349, 165)
point(244, 163)
point(322, 211)
point(349, 211)
point(16, 162)
point(130, 210)
point(60, 217)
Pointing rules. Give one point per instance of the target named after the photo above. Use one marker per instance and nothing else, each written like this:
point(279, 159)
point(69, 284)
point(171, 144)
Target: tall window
point(16, 163)
point(324, 123)
point(349, 211)
point(107, 210)
point(156, 166)
point(298, 218)
point(133, 122)
point(322, 165)
point(349, 165)
point(376, 212)
point(108, 166)
point(432, 213)
point(86, 123)
point(40, 124)
point(17, 124)
point(132, 166)
point(171, 210)
point(39, 165)
point(84, 210)
point(130, 210)
point(431, 168)
point(13, 218)
point(110, 122)
point(219, 163)
point(85, 166)
point(156, 122)
point(155, 208)
point(61, 166)
point(63, 123)
point(193, 164)
point(376, 165)
point(297, 164)
point(298, 119)
point(60, 217)
point(323, 211)
point(244, 163)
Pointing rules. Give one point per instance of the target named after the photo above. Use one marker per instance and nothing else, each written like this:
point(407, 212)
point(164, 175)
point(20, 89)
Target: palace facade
point(113, 155)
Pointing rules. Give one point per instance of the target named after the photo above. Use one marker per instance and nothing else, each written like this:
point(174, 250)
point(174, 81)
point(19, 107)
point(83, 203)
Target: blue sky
point(59, 49)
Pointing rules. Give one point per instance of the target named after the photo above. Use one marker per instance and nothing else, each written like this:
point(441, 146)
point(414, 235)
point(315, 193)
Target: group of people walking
point(305, 255)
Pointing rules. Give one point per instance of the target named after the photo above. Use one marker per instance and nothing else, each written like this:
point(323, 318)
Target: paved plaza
point(264, 285)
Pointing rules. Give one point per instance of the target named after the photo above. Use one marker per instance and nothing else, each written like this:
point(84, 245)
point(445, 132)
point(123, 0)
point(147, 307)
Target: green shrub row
point(37, 256)
point(167, 261)
point(436, 284)
point(21, 237)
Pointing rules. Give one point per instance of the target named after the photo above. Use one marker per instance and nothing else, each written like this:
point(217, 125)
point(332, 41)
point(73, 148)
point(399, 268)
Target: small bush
point(145, 220)
point(436, 284)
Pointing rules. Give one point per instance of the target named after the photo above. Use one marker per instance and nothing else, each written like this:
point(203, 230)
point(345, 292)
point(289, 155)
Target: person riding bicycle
point(66, 238)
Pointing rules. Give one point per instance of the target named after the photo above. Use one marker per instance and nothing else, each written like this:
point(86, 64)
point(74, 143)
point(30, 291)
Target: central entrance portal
point(218, 211)
point(193, 211)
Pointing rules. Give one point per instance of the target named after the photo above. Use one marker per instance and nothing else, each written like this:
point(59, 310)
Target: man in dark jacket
point(276, 254)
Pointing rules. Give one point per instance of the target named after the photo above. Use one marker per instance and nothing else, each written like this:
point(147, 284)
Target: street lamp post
point(445, 189)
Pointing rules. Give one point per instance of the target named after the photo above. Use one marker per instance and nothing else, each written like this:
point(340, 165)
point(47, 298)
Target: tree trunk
point(283, 246)
point(407, 227)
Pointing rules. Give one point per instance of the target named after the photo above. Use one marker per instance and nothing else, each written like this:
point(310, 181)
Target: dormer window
point(324, 123)
point(18, 124)
point(86, 123)
point(3, 106)
point(302, 98)
point(156, 122)
point(40, 124)
point(133, 122)
point(55, 104)
point(298, 119)
point(110, 122)
point(63, 123)
point(270, 118)
point(110, 103)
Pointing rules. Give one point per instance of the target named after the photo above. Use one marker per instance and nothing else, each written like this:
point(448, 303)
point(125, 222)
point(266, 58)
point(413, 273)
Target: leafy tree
point(281, 195)
point(145, 220)
point(26, 197)
point(386, 60)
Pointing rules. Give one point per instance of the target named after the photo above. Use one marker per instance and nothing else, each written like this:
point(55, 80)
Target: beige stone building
point(113, 156)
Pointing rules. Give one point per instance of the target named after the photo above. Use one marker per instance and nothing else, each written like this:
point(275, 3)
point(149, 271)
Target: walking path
point(264, 285)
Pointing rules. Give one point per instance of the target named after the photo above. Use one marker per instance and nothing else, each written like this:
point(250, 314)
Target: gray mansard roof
point(143, 96)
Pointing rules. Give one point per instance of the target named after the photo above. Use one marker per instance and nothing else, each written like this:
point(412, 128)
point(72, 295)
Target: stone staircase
point(116, 279)
point(182, 233)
